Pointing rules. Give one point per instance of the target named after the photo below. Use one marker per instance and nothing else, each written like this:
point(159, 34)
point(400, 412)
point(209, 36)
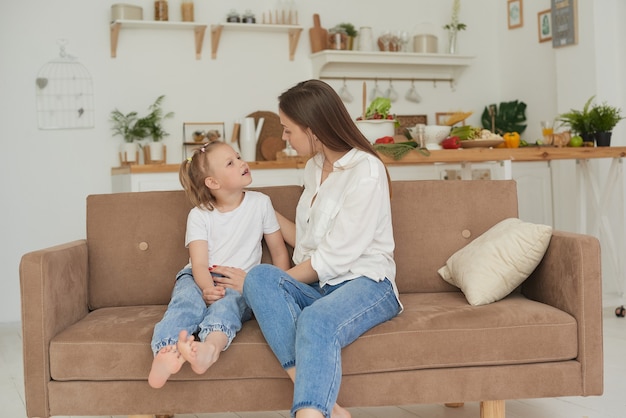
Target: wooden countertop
point(467, 155)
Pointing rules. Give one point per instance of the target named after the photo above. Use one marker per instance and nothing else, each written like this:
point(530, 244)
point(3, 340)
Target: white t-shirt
point(347, 231)
point(234, 237)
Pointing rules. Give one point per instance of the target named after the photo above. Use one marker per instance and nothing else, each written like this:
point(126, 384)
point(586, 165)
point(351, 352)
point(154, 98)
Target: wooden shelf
point(293, 31)
point(117, 25)
point(332, 64)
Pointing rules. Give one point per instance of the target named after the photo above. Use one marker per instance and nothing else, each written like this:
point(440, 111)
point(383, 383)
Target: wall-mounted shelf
point(332, 64)
point(293, 32)
point(117, 25)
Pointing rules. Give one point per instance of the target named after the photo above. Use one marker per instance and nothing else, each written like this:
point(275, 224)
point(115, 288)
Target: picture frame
point(544, 25)
point(409, 121)
point(199, 132)
point(515, 13)
point(564, 23)
point(441, 118)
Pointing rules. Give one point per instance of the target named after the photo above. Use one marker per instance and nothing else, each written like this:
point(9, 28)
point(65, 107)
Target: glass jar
point(233, 17)
point(186, 10)
point(337, 39)
point(160, 10)
point(248, 17)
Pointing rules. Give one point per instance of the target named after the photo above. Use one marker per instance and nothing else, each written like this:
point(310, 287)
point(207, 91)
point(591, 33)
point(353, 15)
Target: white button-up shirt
point(344, 224)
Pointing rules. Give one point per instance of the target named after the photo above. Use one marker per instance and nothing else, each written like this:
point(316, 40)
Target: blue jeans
point(307, 326)
point(188, 311)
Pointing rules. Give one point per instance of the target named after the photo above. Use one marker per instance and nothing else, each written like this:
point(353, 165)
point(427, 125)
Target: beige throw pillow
point(495, 263)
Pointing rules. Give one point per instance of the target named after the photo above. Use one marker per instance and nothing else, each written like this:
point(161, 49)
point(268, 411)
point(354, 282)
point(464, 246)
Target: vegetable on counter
point(451, 142)
point(511, 140)
point(384, 140)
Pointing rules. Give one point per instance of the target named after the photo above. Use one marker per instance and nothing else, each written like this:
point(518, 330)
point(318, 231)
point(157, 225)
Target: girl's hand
point(212, 294)
point(231, 277)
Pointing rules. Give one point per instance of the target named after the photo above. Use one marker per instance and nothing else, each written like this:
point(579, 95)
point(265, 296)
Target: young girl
point(224, 228)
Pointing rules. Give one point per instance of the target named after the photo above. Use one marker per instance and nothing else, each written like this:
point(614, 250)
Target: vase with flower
point(454, 27)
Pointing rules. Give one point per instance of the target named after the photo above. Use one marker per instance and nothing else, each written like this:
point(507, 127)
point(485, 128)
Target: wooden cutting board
point(270, 139)
point(318, 35)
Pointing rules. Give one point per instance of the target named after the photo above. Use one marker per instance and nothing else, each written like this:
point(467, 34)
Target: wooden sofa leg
point(455, 404)
point(492, 409)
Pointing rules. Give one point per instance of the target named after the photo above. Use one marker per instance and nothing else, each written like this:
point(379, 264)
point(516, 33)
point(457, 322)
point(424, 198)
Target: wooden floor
point(610, 405)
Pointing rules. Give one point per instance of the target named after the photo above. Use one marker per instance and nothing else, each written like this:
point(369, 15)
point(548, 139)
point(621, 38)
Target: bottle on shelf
point(160, 10)
point(186, 10)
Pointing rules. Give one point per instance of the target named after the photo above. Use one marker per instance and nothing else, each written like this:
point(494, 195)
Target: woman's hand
point(232, 277)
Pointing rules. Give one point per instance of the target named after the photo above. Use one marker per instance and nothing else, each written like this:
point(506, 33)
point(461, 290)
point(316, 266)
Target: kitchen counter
point(462, 155)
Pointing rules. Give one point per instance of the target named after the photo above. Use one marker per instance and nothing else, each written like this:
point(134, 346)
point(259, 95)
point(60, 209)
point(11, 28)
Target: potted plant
point(133, 129)
point(351, 32)
point(127, 127)
point(153, 123)
point(579, 121)
point(603, 119)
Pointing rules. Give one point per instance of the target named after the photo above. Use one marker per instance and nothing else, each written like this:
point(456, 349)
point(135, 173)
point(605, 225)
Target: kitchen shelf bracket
point(293, 32)
point(117, 25)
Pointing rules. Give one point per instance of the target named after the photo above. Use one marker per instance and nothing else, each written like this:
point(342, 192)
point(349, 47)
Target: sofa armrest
point(53, 285)
point(570, 278)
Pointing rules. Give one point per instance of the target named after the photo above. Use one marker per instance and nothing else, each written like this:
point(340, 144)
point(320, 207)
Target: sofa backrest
point(432, 219)
point(136, 243)
point(136, 240)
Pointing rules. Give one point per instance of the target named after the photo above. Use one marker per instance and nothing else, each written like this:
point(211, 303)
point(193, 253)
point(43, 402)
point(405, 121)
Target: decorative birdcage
point(65, 98)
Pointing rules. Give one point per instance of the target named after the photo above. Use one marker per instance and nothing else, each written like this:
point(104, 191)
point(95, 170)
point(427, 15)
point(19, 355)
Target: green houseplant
point(603, 119)
point(579, 121)
point(507, 117)
point(133, 129)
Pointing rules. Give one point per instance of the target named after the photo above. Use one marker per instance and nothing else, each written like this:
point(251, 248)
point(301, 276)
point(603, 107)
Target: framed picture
point(198, 132)
point(515, 13)
point(442, 117)
point(409, 121)
point(564, 23)
point(544, 25)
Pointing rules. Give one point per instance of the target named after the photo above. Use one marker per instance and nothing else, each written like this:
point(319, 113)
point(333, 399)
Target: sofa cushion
point(435, 330)
point(495, 263)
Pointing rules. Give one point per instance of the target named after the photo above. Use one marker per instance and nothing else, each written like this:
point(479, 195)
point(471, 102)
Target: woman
point(343, 252)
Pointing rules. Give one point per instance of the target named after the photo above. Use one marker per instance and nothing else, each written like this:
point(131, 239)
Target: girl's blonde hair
point(192, 173)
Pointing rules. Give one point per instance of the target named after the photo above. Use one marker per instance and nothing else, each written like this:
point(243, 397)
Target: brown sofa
point(89, 308)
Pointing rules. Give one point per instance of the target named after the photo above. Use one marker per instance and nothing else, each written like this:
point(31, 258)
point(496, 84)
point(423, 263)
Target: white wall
point(46, 175)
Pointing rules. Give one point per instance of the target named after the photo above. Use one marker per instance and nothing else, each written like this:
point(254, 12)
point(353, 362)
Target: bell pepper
point(452, 142)
point(385, 140)
point(511, 139)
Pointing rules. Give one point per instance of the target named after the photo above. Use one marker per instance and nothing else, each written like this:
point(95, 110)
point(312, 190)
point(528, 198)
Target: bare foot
point(201, 355)
point(339, 412)
point(167, 362)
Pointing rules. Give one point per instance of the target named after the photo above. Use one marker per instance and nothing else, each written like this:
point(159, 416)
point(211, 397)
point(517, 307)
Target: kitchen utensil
point(345, 94)
point(318, 35)
point(434, 134)
point(270, 138)
point(376, 91)
point(412, 95)
point(391, 93)
point(366, 39)
point(249, 136)
point(425, 43)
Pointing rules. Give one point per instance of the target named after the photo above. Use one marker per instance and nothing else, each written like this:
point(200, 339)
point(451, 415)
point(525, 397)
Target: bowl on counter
point(373, 129)
point(434, 134)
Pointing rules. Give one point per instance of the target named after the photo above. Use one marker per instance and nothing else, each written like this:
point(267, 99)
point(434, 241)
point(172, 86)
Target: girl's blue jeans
point(188, 311)
point(307, 326)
